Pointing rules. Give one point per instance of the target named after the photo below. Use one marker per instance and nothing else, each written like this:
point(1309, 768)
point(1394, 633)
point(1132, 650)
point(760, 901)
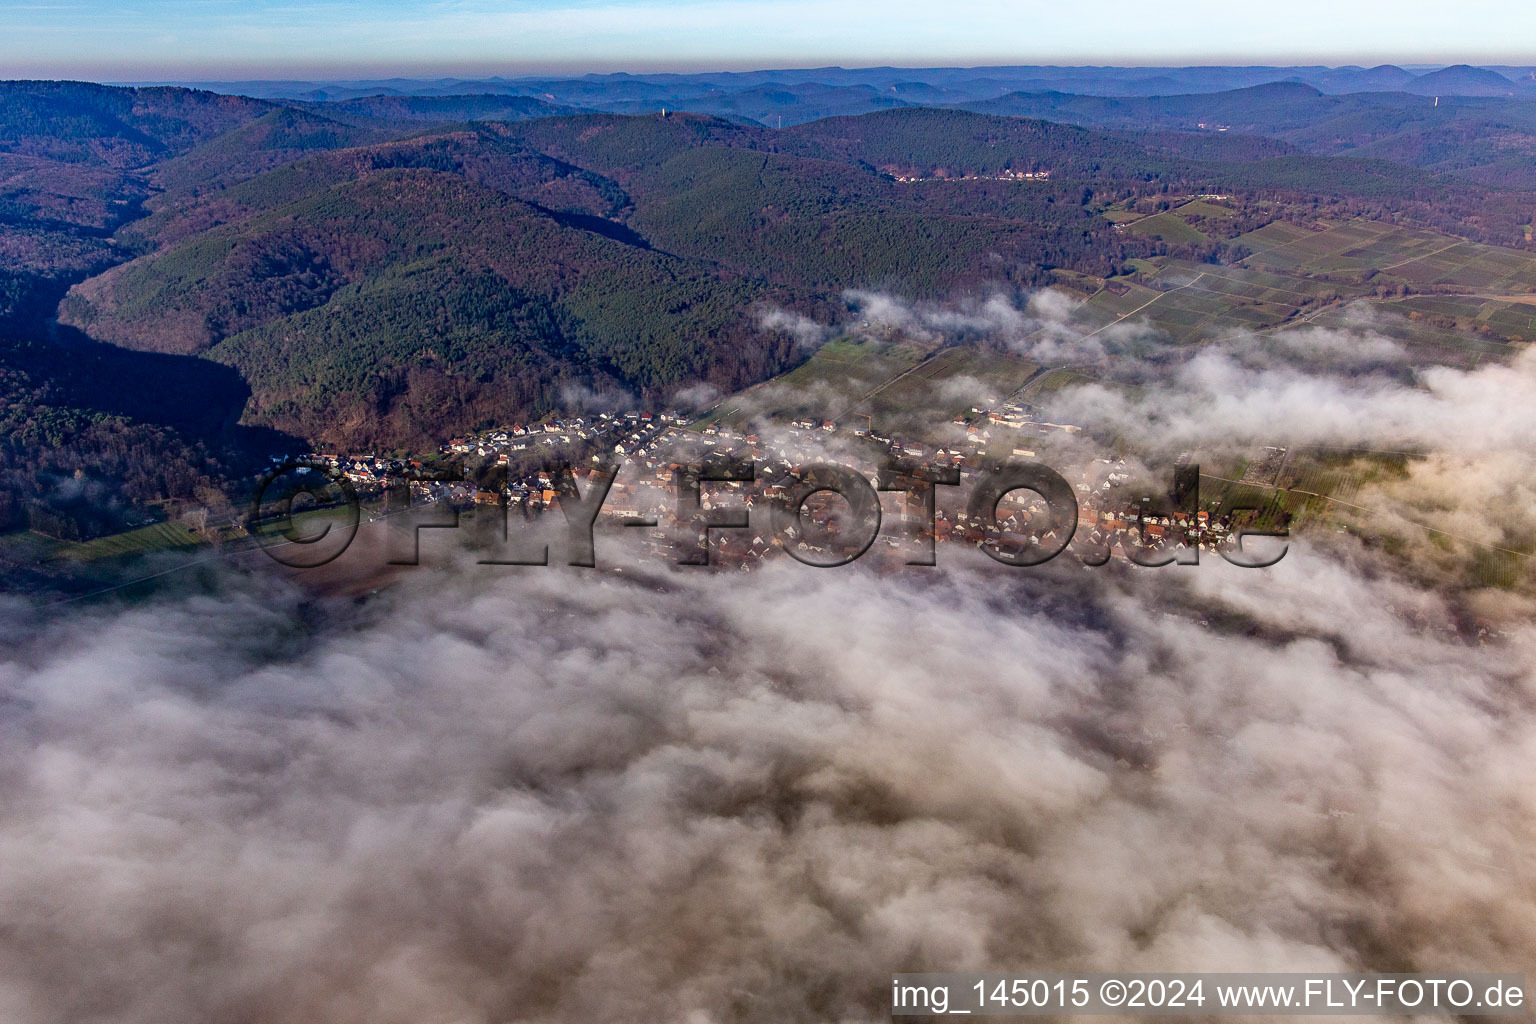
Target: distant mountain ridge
point(1487, 139)
point(1461, 80)
point(802, 94)
point(83, 121)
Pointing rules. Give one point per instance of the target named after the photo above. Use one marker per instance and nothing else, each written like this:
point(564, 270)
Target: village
point(522, 470)
point(1007, 175)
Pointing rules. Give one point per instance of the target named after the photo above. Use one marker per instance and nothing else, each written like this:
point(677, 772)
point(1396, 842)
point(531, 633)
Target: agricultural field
point(1340, 475)
point(1281, 294)
point(1193, 301)
point(1202, 209)
point(1118, 298)
point(892, 387)
point(943, 386)
point(1415, 257)
point(833, 381)
point(1306, 486)
point(1425, 340)
point(1180, 312)
point(167, 536)
point(1478, 297)
point(1168, 227)
point(1184, 223)
point(1508, 321)
point(104, 563)
point(1052, 381)
point(1319, 485)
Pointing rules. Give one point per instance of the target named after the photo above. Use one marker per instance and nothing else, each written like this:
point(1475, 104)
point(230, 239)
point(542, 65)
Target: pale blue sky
point(147, 39)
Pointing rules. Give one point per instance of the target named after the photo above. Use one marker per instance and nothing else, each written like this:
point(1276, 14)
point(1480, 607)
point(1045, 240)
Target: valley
point(229, 279)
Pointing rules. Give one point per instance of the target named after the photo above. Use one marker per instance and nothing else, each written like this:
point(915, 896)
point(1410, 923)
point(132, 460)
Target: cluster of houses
point(1109, 516)
point(624, 431)
point(1008, 175)
point(371, 474)
point(650, 449)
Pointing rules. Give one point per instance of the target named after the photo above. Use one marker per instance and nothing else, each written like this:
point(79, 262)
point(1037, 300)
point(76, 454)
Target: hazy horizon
point(491, 75)
point(234, 73)
point(164, 40)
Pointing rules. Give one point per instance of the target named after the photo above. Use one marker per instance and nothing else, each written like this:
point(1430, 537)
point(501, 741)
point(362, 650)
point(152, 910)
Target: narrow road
point(1192, 281)
point(1424, 256)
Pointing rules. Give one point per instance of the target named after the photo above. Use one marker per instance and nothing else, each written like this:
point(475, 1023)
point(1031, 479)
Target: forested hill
point(85, 123)
point(929, 141)
point(372, 276)
point(396, 292)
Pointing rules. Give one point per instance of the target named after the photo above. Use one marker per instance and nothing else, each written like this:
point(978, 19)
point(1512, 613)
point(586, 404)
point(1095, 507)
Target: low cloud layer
point(1219, 396)
point(561, 796)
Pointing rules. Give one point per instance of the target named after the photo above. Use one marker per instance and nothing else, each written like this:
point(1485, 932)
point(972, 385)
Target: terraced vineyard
point(1189, 302)
point(1346, 274)
point(1512, 321)
point(836, 378)
point(1416, 257)
point(1168, 228)
point(944, 386)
